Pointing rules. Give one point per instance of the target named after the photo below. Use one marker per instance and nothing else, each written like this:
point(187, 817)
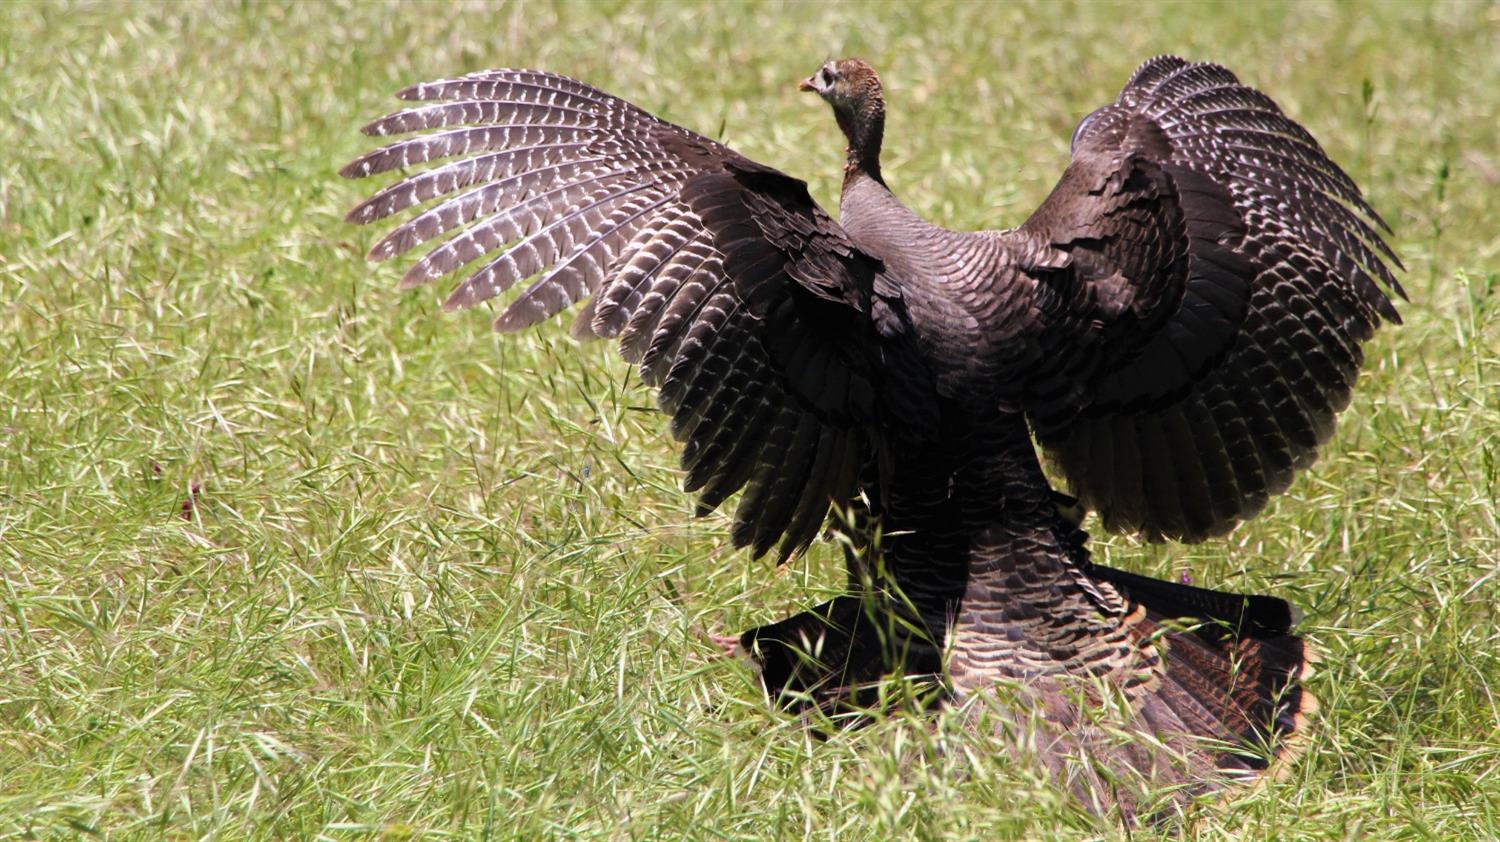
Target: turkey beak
point(807, 85)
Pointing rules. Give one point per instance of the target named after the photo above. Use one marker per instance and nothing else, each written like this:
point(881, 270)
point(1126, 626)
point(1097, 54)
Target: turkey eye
point(825, 76)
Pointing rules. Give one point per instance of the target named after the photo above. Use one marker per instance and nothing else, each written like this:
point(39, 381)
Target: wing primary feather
point(548, 187)
point(532, 167)
point(576, 275)
point(410, 152)
point(478, 113)
point(531, 253)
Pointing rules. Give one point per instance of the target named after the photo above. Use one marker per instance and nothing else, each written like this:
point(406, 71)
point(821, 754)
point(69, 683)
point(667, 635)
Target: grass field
point(287, 553)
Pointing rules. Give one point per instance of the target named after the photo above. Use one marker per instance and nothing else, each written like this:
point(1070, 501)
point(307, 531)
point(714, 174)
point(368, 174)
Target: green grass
point(439, 583)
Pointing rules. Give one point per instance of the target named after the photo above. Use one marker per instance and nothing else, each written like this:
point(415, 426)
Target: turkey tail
point(1264, 616)
point(1135, 694)
point(1234, 671)
point(1224, 704)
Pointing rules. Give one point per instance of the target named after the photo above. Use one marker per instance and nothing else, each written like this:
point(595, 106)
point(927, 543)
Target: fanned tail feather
point(1204, 691)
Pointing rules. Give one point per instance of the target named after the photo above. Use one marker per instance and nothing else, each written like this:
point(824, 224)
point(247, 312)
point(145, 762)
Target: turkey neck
point(863, 127)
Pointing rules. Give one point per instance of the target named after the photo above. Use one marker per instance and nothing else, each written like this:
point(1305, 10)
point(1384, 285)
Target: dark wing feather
point(1211, 380)
point(736, 294)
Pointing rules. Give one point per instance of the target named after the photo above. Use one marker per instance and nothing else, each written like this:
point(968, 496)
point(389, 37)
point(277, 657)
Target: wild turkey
point(1177, 324)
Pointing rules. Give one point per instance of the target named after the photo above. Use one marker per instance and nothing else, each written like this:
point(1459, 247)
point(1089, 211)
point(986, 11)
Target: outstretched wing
point(734, 292)
point(1218, 275)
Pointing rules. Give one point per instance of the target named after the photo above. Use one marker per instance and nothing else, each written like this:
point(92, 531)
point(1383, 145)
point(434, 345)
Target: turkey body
point(1177, 325)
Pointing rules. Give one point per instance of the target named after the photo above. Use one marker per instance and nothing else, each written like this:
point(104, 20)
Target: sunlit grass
point(436, 582)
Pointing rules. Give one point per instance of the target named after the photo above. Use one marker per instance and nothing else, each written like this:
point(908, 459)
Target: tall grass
point(287, 553)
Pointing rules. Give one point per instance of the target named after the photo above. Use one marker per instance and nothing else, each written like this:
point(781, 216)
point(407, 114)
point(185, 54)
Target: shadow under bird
point(1177, 326)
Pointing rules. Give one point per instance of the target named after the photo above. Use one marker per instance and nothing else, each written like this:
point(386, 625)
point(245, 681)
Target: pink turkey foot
point(729, 643)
